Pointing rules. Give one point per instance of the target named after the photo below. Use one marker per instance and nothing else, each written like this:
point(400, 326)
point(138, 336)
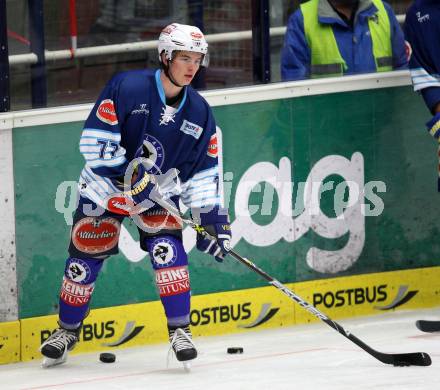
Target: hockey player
point(156, 120)
point(422, 30)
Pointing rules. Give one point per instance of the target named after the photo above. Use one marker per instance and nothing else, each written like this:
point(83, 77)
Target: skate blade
point(49, 362)
point(187, 366)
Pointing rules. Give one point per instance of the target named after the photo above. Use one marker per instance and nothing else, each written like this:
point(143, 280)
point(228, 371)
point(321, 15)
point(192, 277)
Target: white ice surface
point(305, 357)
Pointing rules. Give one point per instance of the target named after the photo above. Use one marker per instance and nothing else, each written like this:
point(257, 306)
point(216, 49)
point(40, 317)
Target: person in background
point(339, 37)
point(150, 138)
point(422, 31)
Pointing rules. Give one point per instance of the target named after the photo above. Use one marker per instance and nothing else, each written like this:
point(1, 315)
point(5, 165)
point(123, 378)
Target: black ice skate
point(56, 347)
point(182, 345)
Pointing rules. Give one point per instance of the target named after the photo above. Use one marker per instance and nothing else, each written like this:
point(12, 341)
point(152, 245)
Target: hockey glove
point(217, 225)
point(434, 126)
point(144, 189)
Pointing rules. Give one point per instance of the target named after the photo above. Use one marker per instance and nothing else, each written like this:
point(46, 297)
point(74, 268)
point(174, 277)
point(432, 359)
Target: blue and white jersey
point(131, 119)
point(422, 31)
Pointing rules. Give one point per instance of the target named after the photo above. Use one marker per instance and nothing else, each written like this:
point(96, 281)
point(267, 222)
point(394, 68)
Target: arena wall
point(331, 185)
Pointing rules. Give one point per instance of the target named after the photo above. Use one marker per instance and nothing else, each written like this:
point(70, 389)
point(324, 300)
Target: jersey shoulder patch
point(213, 146)
point(106, 112)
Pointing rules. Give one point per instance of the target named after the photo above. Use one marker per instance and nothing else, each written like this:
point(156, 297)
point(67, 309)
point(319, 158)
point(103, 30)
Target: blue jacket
point(355, 44)
point(422, 30)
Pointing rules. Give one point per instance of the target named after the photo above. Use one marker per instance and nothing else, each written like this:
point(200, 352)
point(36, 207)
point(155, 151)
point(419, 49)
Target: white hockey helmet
point(182, 37)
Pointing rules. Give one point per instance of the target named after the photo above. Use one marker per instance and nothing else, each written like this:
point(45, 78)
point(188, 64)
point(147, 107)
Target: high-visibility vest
point(326, 59)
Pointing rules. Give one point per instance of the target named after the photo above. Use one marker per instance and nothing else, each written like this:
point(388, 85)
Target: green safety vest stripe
point(380, 29)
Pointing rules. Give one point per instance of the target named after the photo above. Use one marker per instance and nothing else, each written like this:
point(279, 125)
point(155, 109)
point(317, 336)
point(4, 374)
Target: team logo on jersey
point(154, 152)
point(191, 129)
point(213, 146)
point(106, 112)
point(164, 252)
point(78, 271)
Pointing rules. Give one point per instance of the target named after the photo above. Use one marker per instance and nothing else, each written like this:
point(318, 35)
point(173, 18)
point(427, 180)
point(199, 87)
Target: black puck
point(107, 357)
point(235, 350)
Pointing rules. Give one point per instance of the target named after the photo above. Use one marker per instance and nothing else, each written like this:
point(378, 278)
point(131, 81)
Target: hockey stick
point(397, 359)
point(428, 326)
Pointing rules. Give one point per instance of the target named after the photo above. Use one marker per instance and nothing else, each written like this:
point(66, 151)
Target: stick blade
point(409, 359)
point(397, 359)
point(428, 326)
